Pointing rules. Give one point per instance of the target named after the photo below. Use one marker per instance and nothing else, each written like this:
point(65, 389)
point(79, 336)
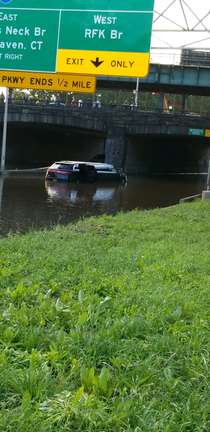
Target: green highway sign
point(93, 37)
point(196, 132)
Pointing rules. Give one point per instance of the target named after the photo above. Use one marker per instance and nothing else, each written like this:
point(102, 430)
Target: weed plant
point(105, 324)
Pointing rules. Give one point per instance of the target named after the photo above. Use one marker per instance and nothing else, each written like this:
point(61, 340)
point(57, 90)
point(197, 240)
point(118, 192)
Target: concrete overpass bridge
point(140, 142)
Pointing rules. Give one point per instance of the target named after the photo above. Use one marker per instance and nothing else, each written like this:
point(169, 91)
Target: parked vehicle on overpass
point(84, 172)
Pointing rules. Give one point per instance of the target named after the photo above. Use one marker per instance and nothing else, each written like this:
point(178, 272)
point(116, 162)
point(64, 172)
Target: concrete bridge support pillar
point(116, 146)
point(184, 102)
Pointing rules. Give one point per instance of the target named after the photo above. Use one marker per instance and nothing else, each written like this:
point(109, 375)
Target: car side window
point(64, 167)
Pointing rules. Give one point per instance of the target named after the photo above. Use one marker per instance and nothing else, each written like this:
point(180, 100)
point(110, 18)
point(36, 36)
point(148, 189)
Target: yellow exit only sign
point(44, 81)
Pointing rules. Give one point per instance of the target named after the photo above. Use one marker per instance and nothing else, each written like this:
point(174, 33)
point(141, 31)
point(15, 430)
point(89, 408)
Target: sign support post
point(4, 138)
point(137, 92)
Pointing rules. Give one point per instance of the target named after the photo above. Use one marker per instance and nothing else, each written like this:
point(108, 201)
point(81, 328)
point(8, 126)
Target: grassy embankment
point(105, 324)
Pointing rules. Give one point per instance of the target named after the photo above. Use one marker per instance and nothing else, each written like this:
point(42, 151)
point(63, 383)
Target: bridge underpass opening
point(38, 145)
point(166, 154)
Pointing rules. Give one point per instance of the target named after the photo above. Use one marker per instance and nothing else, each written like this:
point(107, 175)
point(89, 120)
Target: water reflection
point(73, 192)
point(30, 202)
point(89, 198)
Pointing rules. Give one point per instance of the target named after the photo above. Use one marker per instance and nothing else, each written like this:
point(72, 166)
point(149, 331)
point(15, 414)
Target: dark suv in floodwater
point(87, 172)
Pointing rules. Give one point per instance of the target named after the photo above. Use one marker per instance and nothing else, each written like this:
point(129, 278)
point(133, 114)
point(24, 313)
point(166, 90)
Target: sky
point(187, 16)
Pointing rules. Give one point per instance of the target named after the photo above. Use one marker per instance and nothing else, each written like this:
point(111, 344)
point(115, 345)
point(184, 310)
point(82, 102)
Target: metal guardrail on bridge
point(100, 118)
point(39, 106)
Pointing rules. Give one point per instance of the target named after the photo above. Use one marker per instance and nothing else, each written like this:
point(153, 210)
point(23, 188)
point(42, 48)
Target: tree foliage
point(145, 100)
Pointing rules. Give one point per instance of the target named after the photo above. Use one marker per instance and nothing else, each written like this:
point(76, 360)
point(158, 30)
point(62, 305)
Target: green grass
point(105, 324)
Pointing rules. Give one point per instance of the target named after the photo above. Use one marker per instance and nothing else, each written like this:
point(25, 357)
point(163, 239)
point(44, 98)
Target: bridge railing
point(130, 110)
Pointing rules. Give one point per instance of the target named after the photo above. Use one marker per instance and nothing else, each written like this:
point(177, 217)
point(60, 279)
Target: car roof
point(98, 164)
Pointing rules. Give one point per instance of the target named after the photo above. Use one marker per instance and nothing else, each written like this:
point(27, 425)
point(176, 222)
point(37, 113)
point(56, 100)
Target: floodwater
point(29, 202)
